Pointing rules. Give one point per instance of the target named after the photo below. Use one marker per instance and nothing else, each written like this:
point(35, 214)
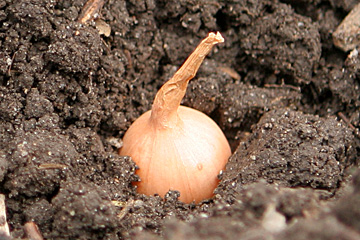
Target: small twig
point(231, 72)
point(52, 166)
point(32, 231)
point(106, 45)
point(278, 99)
point(125, 209)
point(90, 10)
point(12, 61)
point(282, 86)
point(128, 56)
point(346, 120)
point(4, 227)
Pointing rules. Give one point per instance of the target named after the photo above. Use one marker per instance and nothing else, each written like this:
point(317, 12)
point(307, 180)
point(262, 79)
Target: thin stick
point(12, 62)
point(168, 98)
point(346, 120)
point(4, 227)
point(52, 166)
point(126, 209)
point(283, 86)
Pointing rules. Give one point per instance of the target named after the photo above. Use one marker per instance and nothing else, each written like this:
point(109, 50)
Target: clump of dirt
point(82, 212)
point(285, 97)
point(291, 149)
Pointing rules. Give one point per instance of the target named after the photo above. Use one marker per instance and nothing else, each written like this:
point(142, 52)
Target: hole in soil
point(269, 9)
point(4, 80)
point(222, 20)
point(50, 196)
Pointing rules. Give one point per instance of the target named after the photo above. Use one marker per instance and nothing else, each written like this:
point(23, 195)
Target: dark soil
point(286, 98)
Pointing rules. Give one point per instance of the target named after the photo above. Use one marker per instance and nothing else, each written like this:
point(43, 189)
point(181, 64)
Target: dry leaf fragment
point(103, 27)
point(347, 34)
point(90, 10)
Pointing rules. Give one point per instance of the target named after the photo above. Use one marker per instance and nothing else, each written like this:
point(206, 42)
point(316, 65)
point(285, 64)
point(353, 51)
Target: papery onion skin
point(186, 158)
point(176, 147)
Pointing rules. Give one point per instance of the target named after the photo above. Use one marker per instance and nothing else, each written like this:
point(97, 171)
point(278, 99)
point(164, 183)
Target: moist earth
point(286, 98)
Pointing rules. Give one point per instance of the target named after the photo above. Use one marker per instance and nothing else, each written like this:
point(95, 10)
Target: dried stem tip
point(168, 98)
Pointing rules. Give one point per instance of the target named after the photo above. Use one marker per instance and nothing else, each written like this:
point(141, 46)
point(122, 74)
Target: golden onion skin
point(186, 156)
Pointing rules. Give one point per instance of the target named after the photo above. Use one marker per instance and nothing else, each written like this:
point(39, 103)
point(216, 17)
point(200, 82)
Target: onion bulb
point(177, 147)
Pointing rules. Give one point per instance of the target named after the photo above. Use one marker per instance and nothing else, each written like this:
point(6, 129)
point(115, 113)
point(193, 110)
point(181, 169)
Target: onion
point(176, 147)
